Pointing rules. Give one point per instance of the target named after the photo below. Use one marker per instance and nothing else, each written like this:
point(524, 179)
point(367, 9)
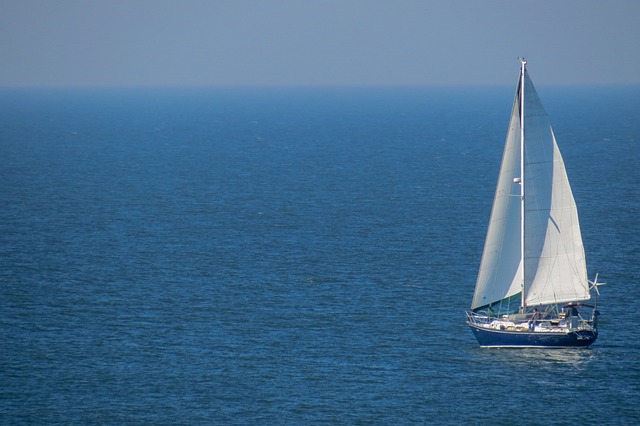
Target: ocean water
point(294, 256)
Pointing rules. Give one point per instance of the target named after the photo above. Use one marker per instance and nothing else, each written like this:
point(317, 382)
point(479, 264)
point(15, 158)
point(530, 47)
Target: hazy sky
point(316, 42)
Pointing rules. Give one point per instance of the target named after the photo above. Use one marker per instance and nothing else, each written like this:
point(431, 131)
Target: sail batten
point(553, 259)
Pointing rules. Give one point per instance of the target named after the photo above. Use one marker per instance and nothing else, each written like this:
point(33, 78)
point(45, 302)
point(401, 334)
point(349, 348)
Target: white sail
point(554, 260)
point(499, 275)
point(555, 266)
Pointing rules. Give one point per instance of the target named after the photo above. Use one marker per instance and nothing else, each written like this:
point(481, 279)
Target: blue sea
point(254, 256)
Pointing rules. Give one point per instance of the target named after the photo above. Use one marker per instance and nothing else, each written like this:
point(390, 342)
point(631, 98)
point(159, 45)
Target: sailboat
point(532, 288)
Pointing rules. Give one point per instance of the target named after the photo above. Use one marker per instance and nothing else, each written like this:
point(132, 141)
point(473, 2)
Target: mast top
point(523, 61)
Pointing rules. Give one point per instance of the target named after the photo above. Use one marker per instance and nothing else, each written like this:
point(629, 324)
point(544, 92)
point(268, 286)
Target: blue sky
point(315, 43)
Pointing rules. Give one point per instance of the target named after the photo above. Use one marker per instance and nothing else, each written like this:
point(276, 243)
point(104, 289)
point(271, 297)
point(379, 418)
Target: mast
point(523, 62)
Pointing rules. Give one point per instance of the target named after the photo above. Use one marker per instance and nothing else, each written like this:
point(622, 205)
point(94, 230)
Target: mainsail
point(554, 261)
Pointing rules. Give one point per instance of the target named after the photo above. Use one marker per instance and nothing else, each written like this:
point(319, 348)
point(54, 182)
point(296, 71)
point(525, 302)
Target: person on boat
point(534, 318)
